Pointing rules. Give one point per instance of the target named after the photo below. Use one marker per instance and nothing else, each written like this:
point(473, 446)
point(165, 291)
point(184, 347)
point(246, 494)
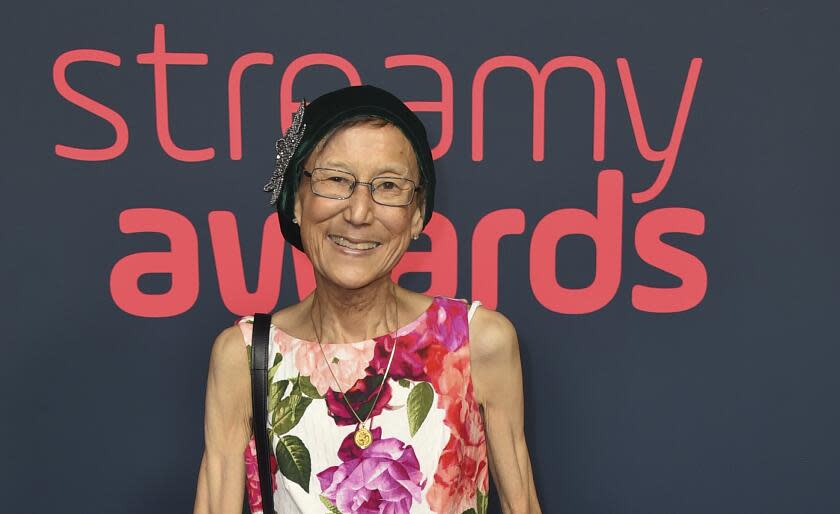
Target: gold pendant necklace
point(362, 437)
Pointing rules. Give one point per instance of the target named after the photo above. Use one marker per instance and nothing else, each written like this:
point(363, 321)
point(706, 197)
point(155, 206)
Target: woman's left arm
point(497, 381)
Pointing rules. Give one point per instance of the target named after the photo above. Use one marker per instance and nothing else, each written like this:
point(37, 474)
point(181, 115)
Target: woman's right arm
point(227, 430)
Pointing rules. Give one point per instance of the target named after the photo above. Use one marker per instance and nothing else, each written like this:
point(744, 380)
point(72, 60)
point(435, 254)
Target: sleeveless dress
point(428, 453)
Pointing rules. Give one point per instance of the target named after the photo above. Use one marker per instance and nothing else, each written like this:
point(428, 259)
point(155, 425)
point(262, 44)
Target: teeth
point(355, 246)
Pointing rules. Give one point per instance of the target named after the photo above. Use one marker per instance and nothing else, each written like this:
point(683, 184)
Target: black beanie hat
point(330, 109)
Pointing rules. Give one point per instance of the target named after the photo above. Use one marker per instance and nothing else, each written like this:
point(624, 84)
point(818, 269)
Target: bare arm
point(221, 477)
point(497, 379)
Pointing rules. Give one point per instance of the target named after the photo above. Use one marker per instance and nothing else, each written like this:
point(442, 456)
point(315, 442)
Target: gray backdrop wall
point(679, 348)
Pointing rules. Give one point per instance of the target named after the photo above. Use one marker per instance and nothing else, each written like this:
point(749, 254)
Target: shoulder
point(227, 406)
point(492, 337)
point(229, 351)
point(494, 354)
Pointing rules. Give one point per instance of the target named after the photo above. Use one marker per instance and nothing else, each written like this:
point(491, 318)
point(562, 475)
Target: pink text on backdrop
point(160, 59)
point(441, 261)
point(604, 227)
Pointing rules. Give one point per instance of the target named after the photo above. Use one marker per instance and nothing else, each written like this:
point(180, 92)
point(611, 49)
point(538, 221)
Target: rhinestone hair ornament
point(285, 148)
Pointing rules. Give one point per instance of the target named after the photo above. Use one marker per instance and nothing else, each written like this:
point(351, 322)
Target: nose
point(359, 210)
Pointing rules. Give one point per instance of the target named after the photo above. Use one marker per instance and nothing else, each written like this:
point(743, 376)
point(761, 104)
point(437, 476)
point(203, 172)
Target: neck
point(348, 315)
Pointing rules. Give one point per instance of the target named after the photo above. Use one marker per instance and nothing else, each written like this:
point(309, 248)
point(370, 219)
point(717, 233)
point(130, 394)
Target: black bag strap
point(259, 398)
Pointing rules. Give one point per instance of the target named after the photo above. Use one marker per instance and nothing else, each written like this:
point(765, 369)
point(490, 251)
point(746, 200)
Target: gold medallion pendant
point(362, 437)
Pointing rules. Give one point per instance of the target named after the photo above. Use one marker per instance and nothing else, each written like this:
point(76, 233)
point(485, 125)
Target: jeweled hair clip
point(285, 148)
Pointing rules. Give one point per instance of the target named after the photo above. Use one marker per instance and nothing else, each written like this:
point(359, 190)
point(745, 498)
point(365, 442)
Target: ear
point(298, 207)
point(417, 218)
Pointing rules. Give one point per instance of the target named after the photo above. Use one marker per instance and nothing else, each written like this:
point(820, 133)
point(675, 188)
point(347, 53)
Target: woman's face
point(366, 151)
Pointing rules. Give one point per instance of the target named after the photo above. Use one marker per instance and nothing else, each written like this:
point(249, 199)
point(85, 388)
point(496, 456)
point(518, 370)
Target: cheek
point(316, 214)
point(317, 209)
point(398, 224)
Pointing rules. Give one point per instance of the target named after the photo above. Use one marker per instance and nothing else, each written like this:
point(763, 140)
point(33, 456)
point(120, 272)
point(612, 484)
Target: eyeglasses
point(339, 185)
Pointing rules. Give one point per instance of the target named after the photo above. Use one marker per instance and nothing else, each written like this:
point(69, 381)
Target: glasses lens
point(332, 183)
point(393, 190)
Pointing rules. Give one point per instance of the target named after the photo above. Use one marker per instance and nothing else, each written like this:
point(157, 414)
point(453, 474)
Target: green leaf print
point(278, 358)
point(481, 502)
point(293, 460)
point(276, 390)
point(419, 402)
point(329, 505)
point(307, 388)
point(288, 412)
point(404, 382)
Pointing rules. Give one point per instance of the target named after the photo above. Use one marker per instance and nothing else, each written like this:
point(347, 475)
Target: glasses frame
point(356, 182)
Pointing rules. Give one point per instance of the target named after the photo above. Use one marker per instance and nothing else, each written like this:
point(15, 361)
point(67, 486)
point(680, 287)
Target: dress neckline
point(404, 329)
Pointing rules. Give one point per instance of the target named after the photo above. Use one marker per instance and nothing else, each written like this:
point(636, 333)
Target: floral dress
point(428, 453)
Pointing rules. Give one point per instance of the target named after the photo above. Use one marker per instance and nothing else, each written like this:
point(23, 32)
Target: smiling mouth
point(357, 245)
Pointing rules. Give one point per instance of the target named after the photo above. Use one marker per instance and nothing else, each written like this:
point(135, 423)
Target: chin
point(349, 274)
point(348, 280)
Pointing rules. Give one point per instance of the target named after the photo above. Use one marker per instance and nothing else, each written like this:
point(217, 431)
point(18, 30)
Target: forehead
point(367, 147)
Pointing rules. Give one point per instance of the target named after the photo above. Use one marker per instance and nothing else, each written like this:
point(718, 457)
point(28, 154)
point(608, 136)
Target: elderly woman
point(381, 400)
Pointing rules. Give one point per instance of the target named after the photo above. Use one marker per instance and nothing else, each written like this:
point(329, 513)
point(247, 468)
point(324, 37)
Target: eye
point(334, 177)
point(388, 185)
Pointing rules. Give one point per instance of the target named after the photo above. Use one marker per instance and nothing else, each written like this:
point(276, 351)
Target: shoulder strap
point(473, 307)
point(259, 397)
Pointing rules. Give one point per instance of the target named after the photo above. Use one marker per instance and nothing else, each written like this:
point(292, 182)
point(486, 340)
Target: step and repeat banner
point(645, 191)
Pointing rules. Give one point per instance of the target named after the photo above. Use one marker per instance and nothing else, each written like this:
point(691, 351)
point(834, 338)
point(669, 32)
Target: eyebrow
point(394, 170)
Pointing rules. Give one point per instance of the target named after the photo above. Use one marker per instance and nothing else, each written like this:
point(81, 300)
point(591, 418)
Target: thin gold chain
point(387, 368)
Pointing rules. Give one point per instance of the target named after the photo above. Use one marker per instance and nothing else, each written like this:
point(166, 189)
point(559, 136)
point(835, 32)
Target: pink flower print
point(452, 319)
point(285, 342)
point(435, 354)
point(442, 327)
point(463, 464)
point(453, 379)
point(347, 361)
point(360, 397)
point(456, 397)
point(384, 478)
point(408, 356)
point(460, 470)
point(252, 475)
